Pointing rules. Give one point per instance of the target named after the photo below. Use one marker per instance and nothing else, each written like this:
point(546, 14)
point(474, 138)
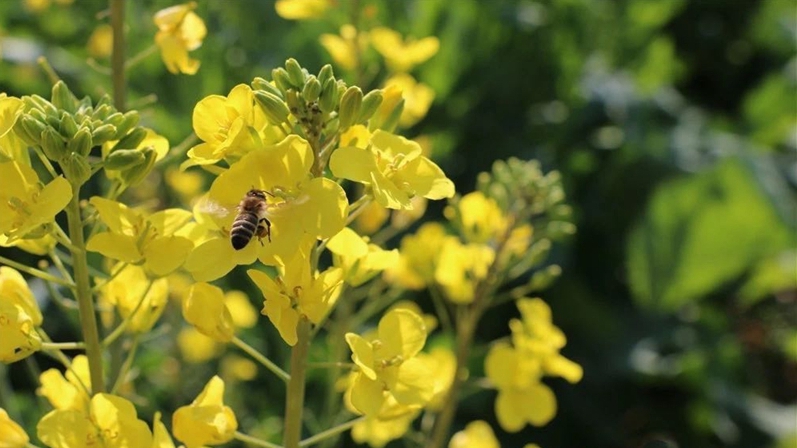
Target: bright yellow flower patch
point(359, 260)
point(111, 422)
point(419, 254)
point(135, 238)
point(403, 55)
point(11, 434)
point(25, 206)
point(179, 31)
point(461, 267)
point(476, 434)
point(135, 298)
point(394, 168)
point(160, 435)
point(38, 246)
point(346, 47)
point(388, 368)
point(478, 217)
point(195, 347)
point(10, 108)
point(206, 421)
point(418, 98)
point(302, 9)
point(204, 308)
point(14, 289)
point(70, 391)
point(19, 317)
point(100, 43)
point(297, 292)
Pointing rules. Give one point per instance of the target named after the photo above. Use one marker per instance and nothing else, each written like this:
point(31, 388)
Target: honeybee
point(251, 220)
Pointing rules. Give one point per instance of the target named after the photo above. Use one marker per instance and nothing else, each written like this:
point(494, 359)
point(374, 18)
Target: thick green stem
point(118, 54)
point(466, 328)
point(88, 318)
point(294, 403)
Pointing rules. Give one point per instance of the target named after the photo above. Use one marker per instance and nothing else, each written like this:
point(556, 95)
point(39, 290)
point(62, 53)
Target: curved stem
point(259, 357)
point(128, 362)
point(294, 403)
point(323, 435)
point(88, 318)
point(139, 57)
point(63, 346)
point(36, 272)
point(255, 441)
point(118, 55)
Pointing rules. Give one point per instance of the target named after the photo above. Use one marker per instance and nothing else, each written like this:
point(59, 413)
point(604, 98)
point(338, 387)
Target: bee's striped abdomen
point(243, 229)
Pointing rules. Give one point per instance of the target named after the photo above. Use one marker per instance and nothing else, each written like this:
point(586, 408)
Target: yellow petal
point(322, 207)
point(209, 114)
point(11, 434)
point(216, 257)
point(116, 415)
point(18, 337)
point(392, 145)
point(539, 404)
point(362, 353)
point(387, 193)
point(14, 289)
point(476, 434)
point(500, 365)
point(402, 333)
point(117, 216)
point(243, 313)
point(9, 108)
point(367, 395)
point(301, 9)
point(166, 254)
point(61, 393)
point(204, 308)
point(160, 435)
point(352, 163)
point(425, 179)
point(207, 421)
point(347, 242)
point(115, 246)
point(413, 383)
point(65, 429)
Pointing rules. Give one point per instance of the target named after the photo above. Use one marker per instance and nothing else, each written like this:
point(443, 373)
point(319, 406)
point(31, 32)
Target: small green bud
point(67, 126)
point(281, 79)
point(29, 129)
point(392, 120)
point(350, 104)
point(131, 140)
point(559, 229)
point(76, 168)
point(43, 105)
point(115, 119)
point(295, 73)
point(544, 277)
point(312, 89)
point(128, 122)
point(53, 144)
point(137, 173)
point(295, 106)
point(538, 252)
point(275, 109)
point(84, 104)
point(38, 115)
point(103, 133)
point(105, 100)
point(63, 99)
point(123, 159)
point(325, 73)
point(261, 84)
point(102, 112)
point(53, 121)
point(81, 142)
point(328, 101)
point(371, 102)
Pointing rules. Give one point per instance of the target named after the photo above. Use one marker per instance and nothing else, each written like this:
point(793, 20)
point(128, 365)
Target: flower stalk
point(118, 54)
point(85, 299)
point(294, 404)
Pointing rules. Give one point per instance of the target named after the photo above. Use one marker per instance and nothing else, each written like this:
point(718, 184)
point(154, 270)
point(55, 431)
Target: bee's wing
point(210, 207)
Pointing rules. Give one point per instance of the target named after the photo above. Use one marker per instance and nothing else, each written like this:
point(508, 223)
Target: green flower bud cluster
point(317, 106)
point(69, 130)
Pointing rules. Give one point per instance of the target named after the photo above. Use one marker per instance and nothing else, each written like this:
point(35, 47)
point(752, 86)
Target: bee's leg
point(264, 230)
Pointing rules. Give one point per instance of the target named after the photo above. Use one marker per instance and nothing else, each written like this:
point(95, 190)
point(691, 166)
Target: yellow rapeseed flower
point(26, 206)
point(204, 308)
point(14, 290)
point(403, 55)
point(11, 434)
point(195, 347)
point(37, 246)
point(136, 297)
point(302, 9)
point(19, 317)
point(359, 260)
point(388, 367)
point(418, 256)
point(100, 43)
point(297, 292)
point(418, 97)
point(345, 48)
point(179, 31)
point(478, 217)
point(160, 435)
point(111, 422)
point(10, 108)
point(206, 421)
point(394, 168)
point(476, 434)
point(135, 238)
point(70, 391)
point(460, 268)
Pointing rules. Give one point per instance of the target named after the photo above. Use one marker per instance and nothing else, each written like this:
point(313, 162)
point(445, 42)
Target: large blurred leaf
point(699, 233)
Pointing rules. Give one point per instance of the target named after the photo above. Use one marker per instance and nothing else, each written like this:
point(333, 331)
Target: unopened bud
point(328, 100)
point(295, 73)
point(53, 144)
point(76, 168)
point(559, 229)
point(131, 140)
point(123, 159)
point(103, 133)
point(102, 112)
point(81, 142)
point(261, 84)
point(43, 105)
point(275, 109)
point(350, 104)
point(371, 102)
point(325, 73)
point(104, 100)
point(392, 120)
point(295, 105)
point(138, 172)
point(281, 79)
point(67, 126)
point(62, 98)
point(543, 278)
point(128, 122)
point(312, 89)
point(29, 129)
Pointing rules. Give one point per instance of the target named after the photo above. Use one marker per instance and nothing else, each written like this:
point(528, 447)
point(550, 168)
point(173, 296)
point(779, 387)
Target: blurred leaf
point(770, 276)
point(770, 110)
point(699, 233)
point(659, 67)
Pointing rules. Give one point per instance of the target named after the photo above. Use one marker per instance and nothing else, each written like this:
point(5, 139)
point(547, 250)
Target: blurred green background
point(674, 125)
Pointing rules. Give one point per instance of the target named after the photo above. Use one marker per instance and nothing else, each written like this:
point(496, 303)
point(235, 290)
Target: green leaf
point(699, 233)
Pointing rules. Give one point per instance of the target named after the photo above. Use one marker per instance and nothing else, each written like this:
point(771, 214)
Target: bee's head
point(255, 193)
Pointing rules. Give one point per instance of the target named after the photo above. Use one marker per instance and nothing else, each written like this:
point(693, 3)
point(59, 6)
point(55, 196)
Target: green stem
point(36, 272)
point(45, 161)
point(60, 266)
point(123, 325)
point(255, 441)
point(88, 318)
point(128, 362)
point(330, 432)
point(138, 58)
point(118, 55)
point(63, 346)
point(259, 357)
point(294, 403)
point(48, 69)
point(331, 364)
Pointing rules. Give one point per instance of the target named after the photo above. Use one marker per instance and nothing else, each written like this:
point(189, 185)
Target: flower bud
point(559, 229)
point(115, 119)
point(312, 89)
point(123, 159)
point(295, 73)
point(328, 100)
point(103, 133)
point(544, 277)
point(325, 73)
point(392, 119)
point(137, 173)
point(371, 102)
point(62, 98)
point(76, 168)
point(42, 104)
point(128, 122)
point(261, 84)
point(350, 104)
point(29, 129)
point(81, 142)
point(102, 112)
point(275, 109)
point(67, 126)
point(280, 77)
point(104, 100)
point(131, 140)
point(53, 144)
